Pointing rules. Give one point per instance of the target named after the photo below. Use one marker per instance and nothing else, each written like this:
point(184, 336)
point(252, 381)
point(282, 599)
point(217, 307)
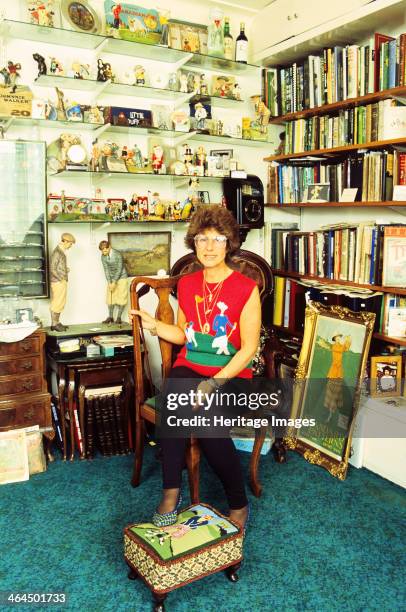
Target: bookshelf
point(317, 115)
point(379, 144)
point(331, 281)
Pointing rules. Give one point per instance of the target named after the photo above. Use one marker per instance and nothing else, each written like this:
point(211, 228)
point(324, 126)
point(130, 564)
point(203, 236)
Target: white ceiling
point(248, 5)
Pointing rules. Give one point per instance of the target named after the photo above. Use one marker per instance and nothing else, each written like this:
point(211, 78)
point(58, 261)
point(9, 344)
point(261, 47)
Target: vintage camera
point(245, 199)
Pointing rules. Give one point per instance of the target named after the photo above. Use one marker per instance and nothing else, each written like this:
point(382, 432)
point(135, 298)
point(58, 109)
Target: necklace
point(210, 297)
point(210, 293)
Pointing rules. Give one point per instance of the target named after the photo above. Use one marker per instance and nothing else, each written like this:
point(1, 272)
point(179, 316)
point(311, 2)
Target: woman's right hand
point(147, 321)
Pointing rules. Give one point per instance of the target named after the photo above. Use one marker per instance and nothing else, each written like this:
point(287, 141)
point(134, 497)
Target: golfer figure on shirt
point(220, 324)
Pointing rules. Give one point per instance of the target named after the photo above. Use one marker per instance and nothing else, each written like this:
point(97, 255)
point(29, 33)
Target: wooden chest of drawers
point(24, 400)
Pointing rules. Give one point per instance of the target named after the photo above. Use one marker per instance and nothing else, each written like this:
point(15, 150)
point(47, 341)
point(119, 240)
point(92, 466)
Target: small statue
point(204, 90)
point(42, 67)
point(81, 71)
point(101, 71)
point(60, 106)
point(196, 84)
point(164, 18)
point(188, 158)
point(139, 75)
point(138, 158)
point(95, 158)
point(55, 66)
point(59, 280)
point(14, 74)
point(183, 83)
point(201, 158)
point(200, 116)
point(237, 92)
point(157, 158)
point(117, 284)
point(262, 113)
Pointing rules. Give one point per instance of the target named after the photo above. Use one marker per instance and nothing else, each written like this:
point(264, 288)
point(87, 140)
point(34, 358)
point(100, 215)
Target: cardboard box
point(128, 117)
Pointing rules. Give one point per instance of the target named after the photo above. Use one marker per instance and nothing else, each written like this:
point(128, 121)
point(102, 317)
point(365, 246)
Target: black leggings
point(220, 453)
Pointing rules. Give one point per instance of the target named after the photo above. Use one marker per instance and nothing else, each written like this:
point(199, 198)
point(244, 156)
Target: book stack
point(106, 421)
point(336, 74)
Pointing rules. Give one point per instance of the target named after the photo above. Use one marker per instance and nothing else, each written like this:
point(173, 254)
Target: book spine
point(99, 424)
point(89, 429)
point(106, 425)
point(121, 421)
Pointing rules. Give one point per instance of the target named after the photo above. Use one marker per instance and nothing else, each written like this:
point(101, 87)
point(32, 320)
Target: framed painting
point(144, 253)
point(386, 375)
point(327, 384)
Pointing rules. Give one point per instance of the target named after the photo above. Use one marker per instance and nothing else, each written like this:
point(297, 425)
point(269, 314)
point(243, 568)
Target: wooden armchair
point(144, 409)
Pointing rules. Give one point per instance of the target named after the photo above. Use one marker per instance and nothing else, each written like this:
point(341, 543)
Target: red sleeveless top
point(212, 325)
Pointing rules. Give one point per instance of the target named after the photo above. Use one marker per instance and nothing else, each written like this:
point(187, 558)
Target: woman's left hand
point(204, 389)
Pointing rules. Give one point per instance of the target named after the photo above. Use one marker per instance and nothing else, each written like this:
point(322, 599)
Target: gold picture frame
point(327, 384)
point(386, 376)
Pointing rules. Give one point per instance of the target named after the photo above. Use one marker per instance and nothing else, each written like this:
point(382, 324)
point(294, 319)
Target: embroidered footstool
point(201, 542)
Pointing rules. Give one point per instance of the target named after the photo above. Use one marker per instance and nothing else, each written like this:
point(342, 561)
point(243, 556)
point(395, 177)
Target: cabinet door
point(273, 24)
point(310, 14)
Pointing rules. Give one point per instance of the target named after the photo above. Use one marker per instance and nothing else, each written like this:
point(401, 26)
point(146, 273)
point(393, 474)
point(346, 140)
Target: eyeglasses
point(217, 241)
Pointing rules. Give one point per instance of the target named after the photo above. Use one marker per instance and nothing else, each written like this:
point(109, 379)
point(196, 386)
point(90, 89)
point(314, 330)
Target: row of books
point(336, 74)
point(290, 299)
point(363, 124)
point(365, 253)
point(373, 174)
point(106, 423)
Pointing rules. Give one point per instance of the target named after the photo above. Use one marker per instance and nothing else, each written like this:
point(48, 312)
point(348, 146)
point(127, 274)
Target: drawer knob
point(28, 385)
point(26, 346)
point(27, 365)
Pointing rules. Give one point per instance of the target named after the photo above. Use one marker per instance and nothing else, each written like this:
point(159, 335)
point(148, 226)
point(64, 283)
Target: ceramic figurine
point(116, 10)
point(139, 75)
point(101, 70)
point(60, 106)
point(262, 112)
point(188, 158)
point(73, 112)
point(138, 158)
point(237, 92)
point(42, 67)
point(215, 40)
point(200, 116)
point(201, 159)
point(81, 71)
point(196, 84)
point(173, 81)
point(204, 90)
point(183, 83)
point(55, 66)
point(157, 158)
point(95, 157)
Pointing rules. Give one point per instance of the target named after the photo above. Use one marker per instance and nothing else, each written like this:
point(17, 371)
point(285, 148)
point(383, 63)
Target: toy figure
point(173, 81)
point(262, 113)
point(237, 92)
point(139, 75)
point(13, 74)
point(183, 83)
point(203, 85)
point(74, 112)
point(187, 158)
point(196, 84)
point(200, 116)
point(59, 280)
point(215, 41)
point(117, 284)
point(54, 66)
point(42, 67)
point(60, 106)
point(94, 115)
point(104, 71)
point(95, 158)
point(157, 158)
point(201, 157)
point(81, 71)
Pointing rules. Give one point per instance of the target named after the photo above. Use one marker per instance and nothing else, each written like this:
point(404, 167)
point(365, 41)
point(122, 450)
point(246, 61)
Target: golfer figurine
point(116, 276)
point(59, 280)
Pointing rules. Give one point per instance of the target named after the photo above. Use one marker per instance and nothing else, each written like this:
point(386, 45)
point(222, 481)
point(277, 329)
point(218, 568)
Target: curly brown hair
point(218, 218)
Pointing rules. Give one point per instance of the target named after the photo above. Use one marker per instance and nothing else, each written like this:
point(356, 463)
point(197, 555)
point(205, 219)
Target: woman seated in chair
point(218, 324)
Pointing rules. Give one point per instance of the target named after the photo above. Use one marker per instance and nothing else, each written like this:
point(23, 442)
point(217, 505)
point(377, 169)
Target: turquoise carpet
point(314, 543)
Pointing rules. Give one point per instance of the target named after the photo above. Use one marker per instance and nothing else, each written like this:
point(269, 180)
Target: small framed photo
point(317, 192)
point(24, 314)
point(386, 375)
point(204, 197)
point(222, 165)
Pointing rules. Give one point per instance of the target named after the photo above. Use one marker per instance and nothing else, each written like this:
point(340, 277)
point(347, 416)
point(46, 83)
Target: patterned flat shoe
point(167, 518)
